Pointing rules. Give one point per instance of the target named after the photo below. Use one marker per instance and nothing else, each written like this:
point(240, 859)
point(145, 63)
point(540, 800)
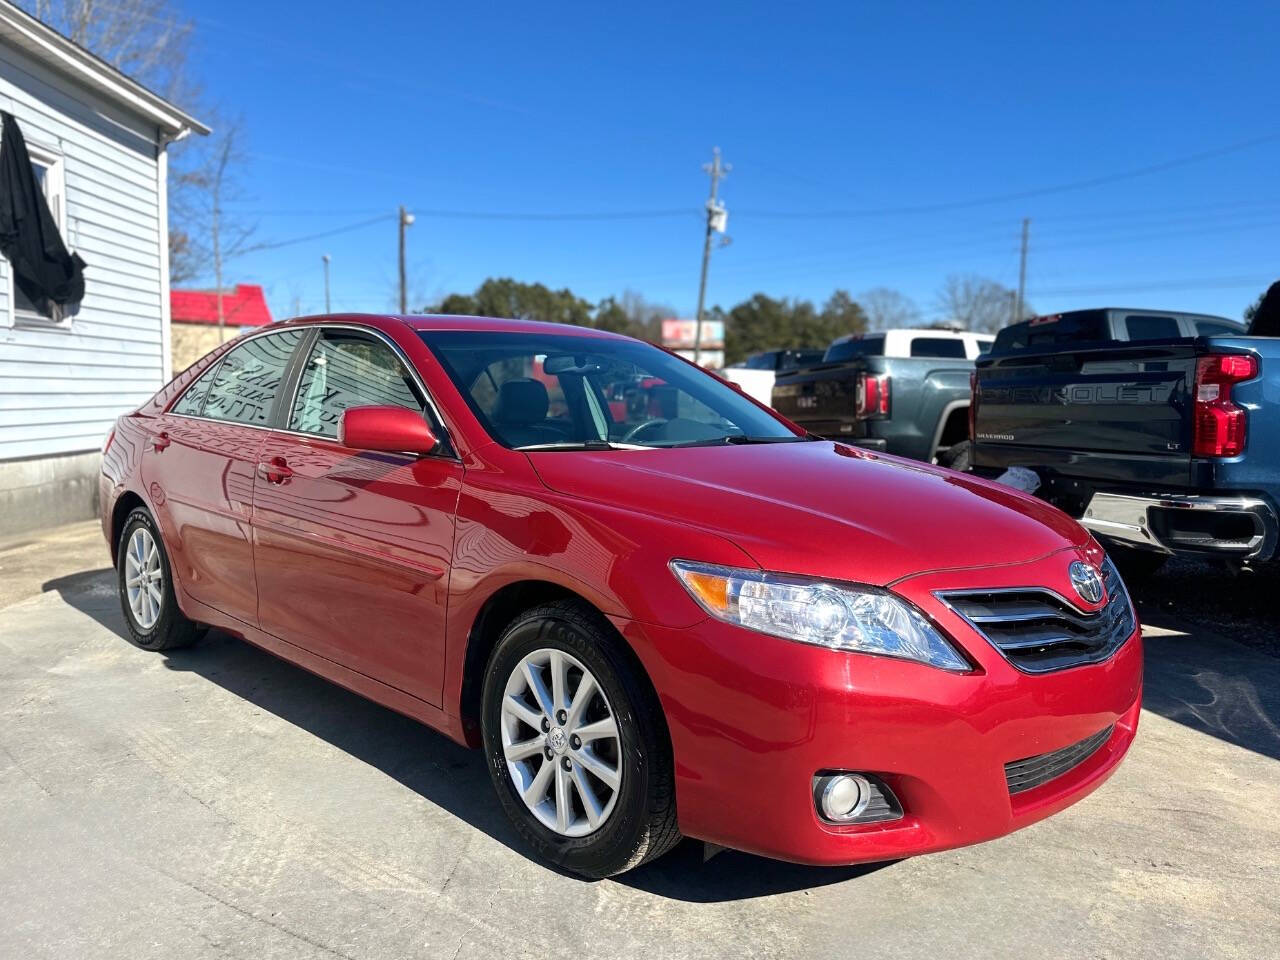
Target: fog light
point(842, 797)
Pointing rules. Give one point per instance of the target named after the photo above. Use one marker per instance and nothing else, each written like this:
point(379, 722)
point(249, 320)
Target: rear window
point(1082, 326)
point(1144, 327)
point(791, 359)
point(1218, 328)
point(762, 361)
point(937, 347)
point(855, 347)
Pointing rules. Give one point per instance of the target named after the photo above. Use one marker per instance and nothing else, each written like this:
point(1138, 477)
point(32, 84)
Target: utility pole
point(406, 219)
point(325, 258)
point(220, 173)
point(716, 217)
point(1021, 303)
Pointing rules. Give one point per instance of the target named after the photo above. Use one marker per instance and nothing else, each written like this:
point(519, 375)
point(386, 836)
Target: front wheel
point(577, 748)
point(146, 588)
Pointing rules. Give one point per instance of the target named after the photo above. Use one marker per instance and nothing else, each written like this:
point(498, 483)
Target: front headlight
point(861, 619)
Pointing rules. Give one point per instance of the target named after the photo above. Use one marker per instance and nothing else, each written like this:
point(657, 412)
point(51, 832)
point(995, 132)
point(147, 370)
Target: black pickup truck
point(1160, 431)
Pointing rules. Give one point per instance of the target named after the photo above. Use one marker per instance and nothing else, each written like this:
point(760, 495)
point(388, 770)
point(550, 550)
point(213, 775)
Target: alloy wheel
point(561, 743)
point(144, 578)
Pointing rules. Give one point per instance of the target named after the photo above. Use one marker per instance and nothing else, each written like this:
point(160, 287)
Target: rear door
point(353, 548)
point(199, 471)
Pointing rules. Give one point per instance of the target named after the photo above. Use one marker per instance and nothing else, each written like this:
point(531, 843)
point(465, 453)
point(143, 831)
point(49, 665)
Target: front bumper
point(753, 718)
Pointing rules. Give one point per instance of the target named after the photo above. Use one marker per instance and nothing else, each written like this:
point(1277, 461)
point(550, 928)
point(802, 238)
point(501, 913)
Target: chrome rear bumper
point(1240, 527)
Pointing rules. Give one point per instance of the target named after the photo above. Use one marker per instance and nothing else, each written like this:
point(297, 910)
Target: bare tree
point(145, 39)
point(150, 41)
point(887, 309)
point(977, 303)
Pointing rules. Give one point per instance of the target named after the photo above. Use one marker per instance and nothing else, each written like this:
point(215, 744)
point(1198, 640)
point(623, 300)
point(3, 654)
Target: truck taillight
point(873, 396)
point(1218, 425)
point(973, 405)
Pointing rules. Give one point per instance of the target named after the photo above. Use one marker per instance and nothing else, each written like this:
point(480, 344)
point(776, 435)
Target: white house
point(97, 140)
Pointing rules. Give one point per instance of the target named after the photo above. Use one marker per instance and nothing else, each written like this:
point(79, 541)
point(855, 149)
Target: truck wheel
point(956, 457)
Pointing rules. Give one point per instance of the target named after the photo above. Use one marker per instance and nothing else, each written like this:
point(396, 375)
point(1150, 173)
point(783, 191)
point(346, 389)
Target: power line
point(1204, 283)
point(1021, 194)
point(603, 215)
point(275, 245)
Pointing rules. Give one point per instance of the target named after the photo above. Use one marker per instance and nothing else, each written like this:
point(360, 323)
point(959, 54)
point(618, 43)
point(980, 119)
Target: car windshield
point(564, 392)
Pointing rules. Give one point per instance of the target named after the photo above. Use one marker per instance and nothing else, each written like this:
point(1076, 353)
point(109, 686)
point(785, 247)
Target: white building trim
point(51, 47)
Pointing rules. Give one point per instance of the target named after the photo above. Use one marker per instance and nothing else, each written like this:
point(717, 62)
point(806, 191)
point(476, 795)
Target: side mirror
point(394, 429)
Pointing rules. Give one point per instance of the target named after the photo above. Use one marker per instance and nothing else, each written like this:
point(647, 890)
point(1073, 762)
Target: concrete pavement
point(217, 802)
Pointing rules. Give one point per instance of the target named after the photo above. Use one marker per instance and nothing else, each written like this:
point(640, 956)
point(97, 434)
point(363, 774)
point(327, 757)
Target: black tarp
point(29, 239)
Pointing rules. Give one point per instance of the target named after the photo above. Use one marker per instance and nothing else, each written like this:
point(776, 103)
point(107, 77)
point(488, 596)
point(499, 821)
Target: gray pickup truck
point(902, 391)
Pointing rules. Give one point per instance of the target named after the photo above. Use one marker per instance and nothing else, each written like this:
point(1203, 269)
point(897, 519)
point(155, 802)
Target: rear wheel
point(146, 588)
point(577, 748)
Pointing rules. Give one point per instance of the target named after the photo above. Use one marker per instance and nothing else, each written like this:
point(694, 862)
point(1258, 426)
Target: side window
point(937, 347)
point(348, 369)
point(192, 402)
point(49, 171)
point(1151, 328)
point(245, 384)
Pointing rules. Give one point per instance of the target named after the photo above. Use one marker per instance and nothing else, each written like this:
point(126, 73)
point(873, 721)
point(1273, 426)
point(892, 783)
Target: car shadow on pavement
point(1213, 685)
point(432, 766)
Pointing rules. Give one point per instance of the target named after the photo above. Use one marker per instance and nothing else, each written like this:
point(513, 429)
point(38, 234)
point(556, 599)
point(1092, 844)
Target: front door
point(199, 468)
point(353, 548)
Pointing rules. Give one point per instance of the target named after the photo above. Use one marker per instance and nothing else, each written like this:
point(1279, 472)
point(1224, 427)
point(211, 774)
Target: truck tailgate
point(1117, 412)
point(821, 398)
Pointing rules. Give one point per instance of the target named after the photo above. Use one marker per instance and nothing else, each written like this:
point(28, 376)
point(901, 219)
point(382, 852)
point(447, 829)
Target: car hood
point(822, 509)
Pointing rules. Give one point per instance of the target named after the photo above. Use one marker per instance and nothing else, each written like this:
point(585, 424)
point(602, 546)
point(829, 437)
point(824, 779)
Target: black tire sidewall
point(958, 457)
point(168, 630)
point(610, 848)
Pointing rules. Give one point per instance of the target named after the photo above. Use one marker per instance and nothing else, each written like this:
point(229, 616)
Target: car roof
point(452, 322)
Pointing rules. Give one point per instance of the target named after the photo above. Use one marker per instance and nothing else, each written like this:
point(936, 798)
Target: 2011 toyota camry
point(659, 608)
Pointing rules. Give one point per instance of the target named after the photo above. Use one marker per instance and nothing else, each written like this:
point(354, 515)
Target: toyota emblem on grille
point(1087, 582)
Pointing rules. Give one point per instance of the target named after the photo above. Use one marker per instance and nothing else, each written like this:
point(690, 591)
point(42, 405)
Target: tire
point(151, 627)
point(636, 821)
point(1136, 565)
point(957, 457)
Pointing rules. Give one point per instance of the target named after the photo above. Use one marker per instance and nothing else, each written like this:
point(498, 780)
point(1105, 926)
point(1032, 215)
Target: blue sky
point(872, 145)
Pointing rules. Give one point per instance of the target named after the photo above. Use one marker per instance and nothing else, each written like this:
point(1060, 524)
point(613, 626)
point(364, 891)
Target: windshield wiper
point(583, 445)
point(743, 438)
point(735, 438)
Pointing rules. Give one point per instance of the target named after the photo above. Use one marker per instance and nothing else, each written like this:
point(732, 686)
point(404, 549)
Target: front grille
point(1038, 631)
point(1033, 771)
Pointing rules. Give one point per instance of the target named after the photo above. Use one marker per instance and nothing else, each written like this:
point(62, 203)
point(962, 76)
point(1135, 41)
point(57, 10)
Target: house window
point(48, 167)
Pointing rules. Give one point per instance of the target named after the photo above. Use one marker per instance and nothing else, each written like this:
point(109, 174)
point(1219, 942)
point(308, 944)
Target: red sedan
point(674, 616)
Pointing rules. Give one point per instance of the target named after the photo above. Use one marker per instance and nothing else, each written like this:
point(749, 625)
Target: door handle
point(276, 471)
point(160, 442)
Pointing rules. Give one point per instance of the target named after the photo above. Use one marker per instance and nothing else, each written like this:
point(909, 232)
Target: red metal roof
point(243, 307)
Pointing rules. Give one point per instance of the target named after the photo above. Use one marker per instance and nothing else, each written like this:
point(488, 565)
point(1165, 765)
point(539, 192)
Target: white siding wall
point(62, 387)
